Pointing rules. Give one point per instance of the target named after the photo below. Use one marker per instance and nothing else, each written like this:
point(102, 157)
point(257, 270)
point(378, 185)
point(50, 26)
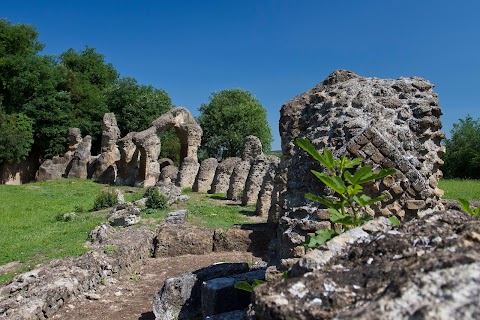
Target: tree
point(136, 106)
point(88, 77)
point(35, 86)
point(228, 118)
point(462, 157)
point(16, 137)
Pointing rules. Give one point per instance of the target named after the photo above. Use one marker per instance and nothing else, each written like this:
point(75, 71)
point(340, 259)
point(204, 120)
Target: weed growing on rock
point(466, 207)
point(105, 199)
point(245, 286)
point(155, 199)
point(345, 177)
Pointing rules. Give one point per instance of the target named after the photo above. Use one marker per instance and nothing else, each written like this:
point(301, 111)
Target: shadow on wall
point(18, 173)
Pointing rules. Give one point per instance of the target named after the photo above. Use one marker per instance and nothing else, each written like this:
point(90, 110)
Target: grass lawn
point(31, 231)
point(467, 189)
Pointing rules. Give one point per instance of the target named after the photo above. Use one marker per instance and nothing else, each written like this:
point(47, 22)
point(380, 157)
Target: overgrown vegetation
point(105, 199)
point(155, 200)
point(346, 206)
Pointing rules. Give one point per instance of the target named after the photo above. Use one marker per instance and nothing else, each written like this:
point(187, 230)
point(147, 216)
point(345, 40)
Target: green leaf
point(394, 220)
point(328, 159)
point(335, 183)
point(320, 238)
point(466, 206)
point(257, 282)
point(243, 285)
point(353, 163)
point(335, 215)
point(322, 199)
point(365, 200)
point(354, 189)
point(306, 145)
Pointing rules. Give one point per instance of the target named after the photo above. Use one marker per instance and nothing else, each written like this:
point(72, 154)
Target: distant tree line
point(42, 96)
point(462, 156)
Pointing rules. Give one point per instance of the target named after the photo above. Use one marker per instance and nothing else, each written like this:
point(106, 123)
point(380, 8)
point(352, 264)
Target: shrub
point(105, 199)
point(155, 200)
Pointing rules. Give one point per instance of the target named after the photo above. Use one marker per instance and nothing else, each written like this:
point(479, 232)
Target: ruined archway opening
point(171, 147)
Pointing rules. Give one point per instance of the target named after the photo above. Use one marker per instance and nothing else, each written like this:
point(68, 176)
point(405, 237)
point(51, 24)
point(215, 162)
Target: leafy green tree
point(16, 137)
point(462, 157)
point(228, 118)
point(34, 85)
point(89, 76)
point(136, 106)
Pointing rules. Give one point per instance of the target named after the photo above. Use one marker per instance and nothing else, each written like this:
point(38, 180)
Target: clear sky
point(276, 49)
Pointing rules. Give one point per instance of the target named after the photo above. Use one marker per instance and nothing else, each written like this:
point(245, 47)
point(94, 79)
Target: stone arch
point(148, 143)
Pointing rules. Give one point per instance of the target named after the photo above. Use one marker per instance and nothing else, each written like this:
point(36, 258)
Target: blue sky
point(276, 49)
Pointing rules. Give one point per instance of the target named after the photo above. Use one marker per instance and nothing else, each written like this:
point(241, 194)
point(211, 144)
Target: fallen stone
point(176, 217)
point(180, 297)
point(220, 296)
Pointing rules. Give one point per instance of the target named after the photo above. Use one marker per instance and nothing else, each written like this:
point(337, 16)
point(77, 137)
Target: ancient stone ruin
point(388, 123)
point(131, 160)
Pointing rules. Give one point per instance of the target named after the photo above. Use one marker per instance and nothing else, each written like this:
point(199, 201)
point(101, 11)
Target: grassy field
point(468, 189)
point(31, 231)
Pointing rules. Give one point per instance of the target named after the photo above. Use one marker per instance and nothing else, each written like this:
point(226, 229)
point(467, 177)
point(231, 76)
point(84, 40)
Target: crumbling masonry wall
point(388, 123)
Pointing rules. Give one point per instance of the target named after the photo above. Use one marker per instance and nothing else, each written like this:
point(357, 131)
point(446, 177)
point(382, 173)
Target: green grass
point(467, 189)
point(209, 211)
point(30, 229)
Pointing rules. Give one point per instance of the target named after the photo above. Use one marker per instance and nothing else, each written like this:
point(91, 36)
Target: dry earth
point(130, 296)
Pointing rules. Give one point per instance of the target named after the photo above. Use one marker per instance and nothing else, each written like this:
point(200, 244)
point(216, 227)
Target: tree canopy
point(462, 157)
point(228, 118)
point(46, 95)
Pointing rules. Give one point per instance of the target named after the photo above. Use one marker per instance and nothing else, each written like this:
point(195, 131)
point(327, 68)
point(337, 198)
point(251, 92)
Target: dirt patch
point(130, 296)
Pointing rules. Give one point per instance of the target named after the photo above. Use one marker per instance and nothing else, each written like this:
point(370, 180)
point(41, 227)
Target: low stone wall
point(39, 293)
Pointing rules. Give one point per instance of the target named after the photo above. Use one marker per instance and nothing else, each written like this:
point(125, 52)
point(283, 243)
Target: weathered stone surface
point(170, 190)
point(169, 173)
point(180, 297)
point(232, 315)
point(39, 293)
point(105, 168)
point(80, 160)
point(220, 296)
point(224, 171)
point(388, 123)
point(124, 215)
point(426, 268)
point(176, 240)
point(187, 173)
point(164, 162)
point(238, 180)
point(148, 144)
point(188, 131)
point(176, 217)
point(252, 148)
point(206, 173)
point(56, 167)
point(260, 166)
point(266, 193)
point(248, 237)
point(127, 166)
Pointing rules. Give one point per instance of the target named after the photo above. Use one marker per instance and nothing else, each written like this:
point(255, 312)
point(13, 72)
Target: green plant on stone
point(345, 177)
point(105, 199)
point(466, 207)
point(155, 199)
point(245, 286)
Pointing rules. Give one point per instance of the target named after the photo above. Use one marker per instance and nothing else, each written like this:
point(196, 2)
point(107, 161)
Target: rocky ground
point(427, 268)
point(130, 296)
